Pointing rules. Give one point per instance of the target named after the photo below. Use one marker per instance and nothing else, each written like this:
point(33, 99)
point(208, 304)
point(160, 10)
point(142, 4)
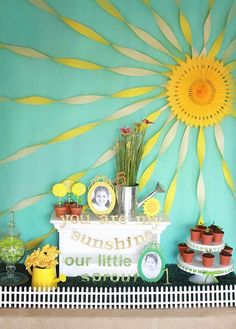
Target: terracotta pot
point(67, 205)
point(202, 228)
point(218, 236)
point(60, 210)
point(228, 249)
point(76, 210)
point(207, 237)
point(195, 234)
point(225, 258)
point(188, 256)
point(213, 227)
point(182, 246)
point(208, 259)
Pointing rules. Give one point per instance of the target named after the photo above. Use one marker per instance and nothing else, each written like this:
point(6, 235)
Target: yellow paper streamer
point(155, 115)
point(149, 145)
point(233, 113)
point(84, 30)
point(82, 99)
point(169, 138)
point(219, 136)
point(24, 203)
point(201, 145)
point(107, 156)
point(136, 55)
point(22, 153)
point(131, 71)
point(228, 176)
point(231, 66)
point(216, 45)
point(76, 26)
point(75, 132)
point(110, 9)
point(147, 174)
point(148, 39)
point(34, 100)
point(229, 51)
point(207, 28)
point(145, 177)
point(28, 52)
point(206, 34)
point(133, 92)
point(43, 6)
point(170, 195)
point(185, 27)
point(166, 30)
point(78, 64)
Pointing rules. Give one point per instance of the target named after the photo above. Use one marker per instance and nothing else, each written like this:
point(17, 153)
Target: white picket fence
point(120, 298)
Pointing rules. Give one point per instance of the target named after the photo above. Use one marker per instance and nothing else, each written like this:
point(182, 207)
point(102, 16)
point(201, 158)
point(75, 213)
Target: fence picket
point(120, 298)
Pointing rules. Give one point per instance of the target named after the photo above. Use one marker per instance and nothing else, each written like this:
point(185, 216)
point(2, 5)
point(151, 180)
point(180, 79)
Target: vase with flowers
point(41, 264)
point(129, 152)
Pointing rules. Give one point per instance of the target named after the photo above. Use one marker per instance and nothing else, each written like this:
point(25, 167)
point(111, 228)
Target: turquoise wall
point(25, 25)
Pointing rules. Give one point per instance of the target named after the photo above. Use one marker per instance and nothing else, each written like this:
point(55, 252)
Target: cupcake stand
point(202, 274)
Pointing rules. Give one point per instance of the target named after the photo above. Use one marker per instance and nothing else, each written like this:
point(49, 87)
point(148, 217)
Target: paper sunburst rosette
point(200, 91)
point(151, 207)
point(196, 90)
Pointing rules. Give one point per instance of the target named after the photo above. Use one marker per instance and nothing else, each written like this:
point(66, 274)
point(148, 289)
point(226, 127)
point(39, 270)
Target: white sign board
point(95, 247)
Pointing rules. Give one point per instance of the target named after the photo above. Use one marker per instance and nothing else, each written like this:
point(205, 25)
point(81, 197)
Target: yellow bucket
point(45, 277)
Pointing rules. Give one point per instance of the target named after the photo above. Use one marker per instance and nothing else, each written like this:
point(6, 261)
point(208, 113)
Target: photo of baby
point(151, 265)
point(101, 198)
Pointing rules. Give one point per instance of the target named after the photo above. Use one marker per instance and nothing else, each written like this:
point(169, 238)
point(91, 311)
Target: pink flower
point(125, 131)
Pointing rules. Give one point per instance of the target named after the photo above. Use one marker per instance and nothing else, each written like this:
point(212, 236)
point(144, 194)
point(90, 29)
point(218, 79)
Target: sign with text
point(101, 249)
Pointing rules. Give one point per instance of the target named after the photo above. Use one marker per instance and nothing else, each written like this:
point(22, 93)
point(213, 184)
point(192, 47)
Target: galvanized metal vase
point(126, 200)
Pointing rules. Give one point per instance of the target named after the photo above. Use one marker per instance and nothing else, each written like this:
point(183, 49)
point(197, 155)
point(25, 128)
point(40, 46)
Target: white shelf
point(196, 267)
point(213, 247)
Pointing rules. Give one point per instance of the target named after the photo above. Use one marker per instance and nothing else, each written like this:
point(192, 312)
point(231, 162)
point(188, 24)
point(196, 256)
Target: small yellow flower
point(151, 207)
point(128, 145)
point(45, 258)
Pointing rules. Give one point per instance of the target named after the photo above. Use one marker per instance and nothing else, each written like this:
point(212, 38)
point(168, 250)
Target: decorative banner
point(199, 91)
point(219, 136)
point(185, 27)
point(128, 110)
point(201, 146)
point(170, 195)
point(164, 146)
point(207, 28)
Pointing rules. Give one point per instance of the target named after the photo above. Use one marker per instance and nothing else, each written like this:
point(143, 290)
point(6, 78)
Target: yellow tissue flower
point(44, 258)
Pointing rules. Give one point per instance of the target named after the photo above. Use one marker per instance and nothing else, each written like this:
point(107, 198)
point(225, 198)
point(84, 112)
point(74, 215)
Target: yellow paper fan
point(151, 207)
point(200, 91)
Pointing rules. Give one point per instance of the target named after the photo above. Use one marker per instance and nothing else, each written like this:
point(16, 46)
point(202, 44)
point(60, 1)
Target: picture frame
point(101, 198)
point(151, 264)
